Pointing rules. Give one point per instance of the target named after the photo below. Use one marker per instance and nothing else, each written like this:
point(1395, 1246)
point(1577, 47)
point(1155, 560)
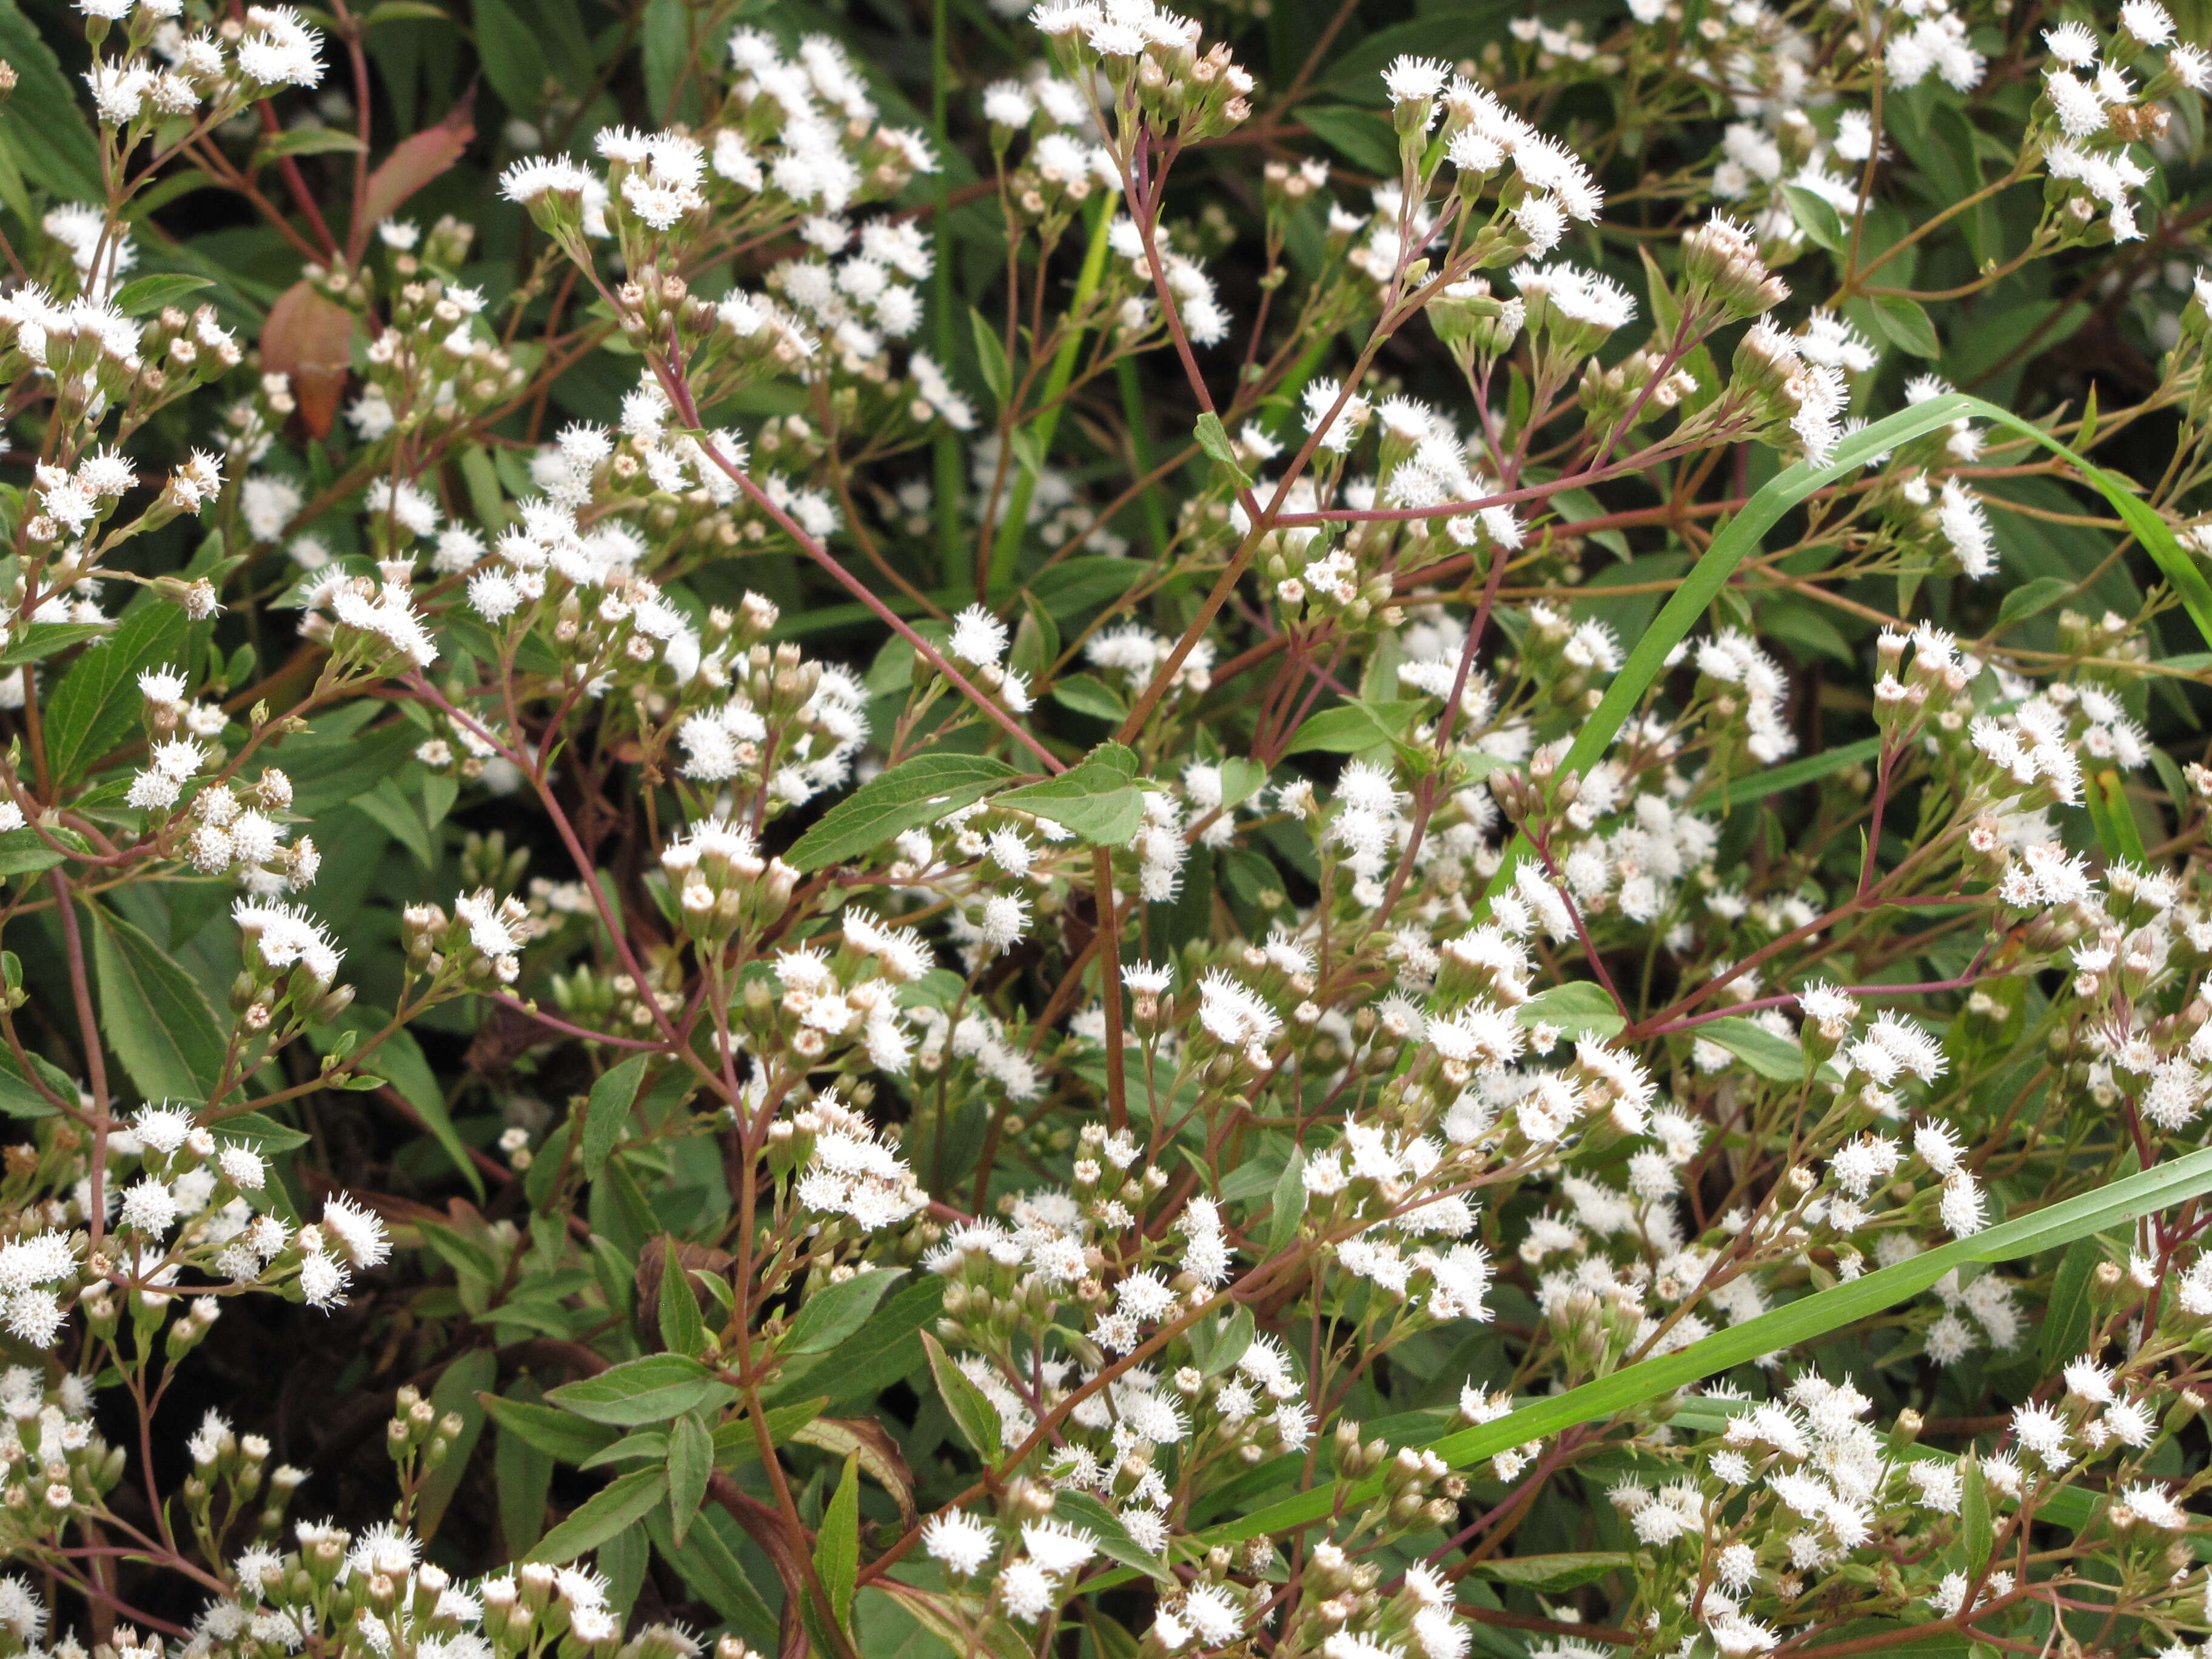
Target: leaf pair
point(1100, 798)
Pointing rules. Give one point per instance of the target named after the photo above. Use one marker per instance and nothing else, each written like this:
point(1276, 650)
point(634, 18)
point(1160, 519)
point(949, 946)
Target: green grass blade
point(1773, 780)
point(1798, 1322)
point(1687, 606)
point(2141, 517)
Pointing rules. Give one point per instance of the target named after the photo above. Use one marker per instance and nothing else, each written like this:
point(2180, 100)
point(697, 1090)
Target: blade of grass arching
point(1799, 1322)
point(1686, 605)
point(2071, 1507)
point(2141, 517)
point(1016, 523)
point(1773, 780)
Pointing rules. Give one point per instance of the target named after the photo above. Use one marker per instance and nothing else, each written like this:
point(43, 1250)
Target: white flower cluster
point(849, 1171)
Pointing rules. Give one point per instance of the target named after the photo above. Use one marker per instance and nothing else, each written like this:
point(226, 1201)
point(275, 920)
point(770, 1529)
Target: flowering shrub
point(1091, 834)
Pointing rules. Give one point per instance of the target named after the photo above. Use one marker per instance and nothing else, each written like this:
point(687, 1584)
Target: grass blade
point(1811, 1316)
point(1687, 606)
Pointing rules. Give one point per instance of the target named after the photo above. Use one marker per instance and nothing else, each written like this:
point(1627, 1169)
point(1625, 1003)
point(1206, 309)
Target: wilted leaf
point(309, 337)
point(416, 160)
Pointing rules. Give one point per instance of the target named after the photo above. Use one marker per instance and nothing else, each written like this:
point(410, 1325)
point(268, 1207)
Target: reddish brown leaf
point(869, 1441)
point(310, 338)
point(414, 162)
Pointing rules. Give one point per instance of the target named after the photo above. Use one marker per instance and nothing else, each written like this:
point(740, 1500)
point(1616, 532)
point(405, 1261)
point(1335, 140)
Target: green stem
point(945, 449)
point(1016, 521)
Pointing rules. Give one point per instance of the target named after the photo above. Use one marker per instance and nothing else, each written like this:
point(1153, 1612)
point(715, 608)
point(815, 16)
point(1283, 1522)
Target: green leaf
point(1241, 780)
point(1361, 136)
point(1805, 630)
point(44, 121)
point(558, 1433)
point(606, 1114)
point(457, 1391)
point(25, 852)
point(915, 792)
point(837, 1545)
point(1213, 438)
point(1580, 1007)
point(690, 1466)
point(1907, 325)
point(400, 11)
point(1779, 1058)
point(976, 1417)
point(399, 1060)
point(1224, 1341)
point(2140, 517)
point(836, 1313)
point(884, 1351)
point(335, 761)
point(1079, 1509)
point(1802, 1320)
point(622, 1502)
point(1286, 1206)
point(1666, 309)
point(736, 1444)
point(521, 1473)
point(511, 55)
point(1097, 798)
point(42, 639)
point(1350, 727)
point(264, 1133)
point(991, 358)
point(309, 141)
point(639, 1445)
point(670, 47)
point(2106, 795)
point(156, 1018)
point(1894, 1638)
point(2032, 598)
point(97, 703)
point(1555, 1572)
point(150, 294)
point(682, 1329)
point(1816, 217)
point(18, 1098)
point(707, 1563)
point(401, 813)
point(1086, 696)
point(1975, 1531)
point(648, 1391)
point(2066, 1317)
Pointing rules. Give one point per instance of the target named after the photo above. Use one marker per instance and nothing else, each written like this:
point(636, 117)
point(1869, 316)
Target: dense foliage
point(1071, 832)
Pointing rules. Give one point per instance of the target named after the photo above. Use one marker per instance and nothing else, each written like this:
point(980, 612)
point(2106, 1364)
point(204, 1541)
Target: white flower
point(1413, 79)
point(2080, 112)
point(978, 637)
point(961, 1542)
point(2147, 21)
point(1059, 1549)
point(360, 1235)
point(1027, 1590)
point(2041, 1429)
point(2154, 1504)
point(149, 1206)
